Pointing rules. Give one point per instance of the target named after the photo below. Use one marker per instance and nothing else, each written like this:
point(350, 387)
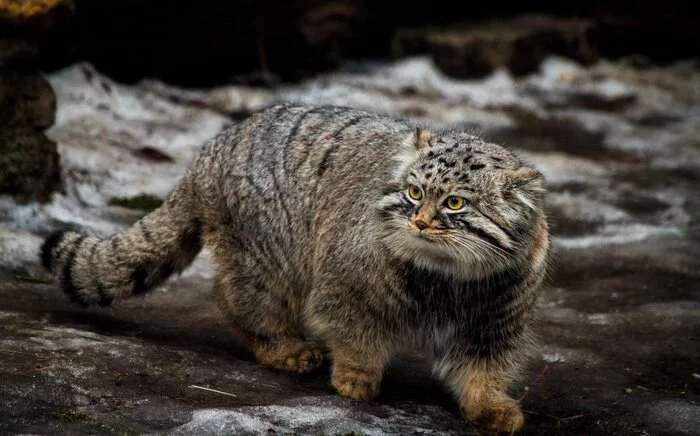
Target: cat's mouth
point(441, 249)
point(428, 234)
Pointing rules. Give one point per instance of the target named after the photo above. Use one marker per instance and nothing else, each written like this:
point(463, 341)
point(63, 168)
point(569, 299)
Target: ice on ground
point(17, 247)
point(310, 415)
point(681, 417)
point(616, 234)
point(553, 357)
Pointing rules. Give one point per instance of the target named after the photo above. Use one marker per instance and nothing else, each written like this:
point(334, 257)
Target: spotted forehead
point(461, 162)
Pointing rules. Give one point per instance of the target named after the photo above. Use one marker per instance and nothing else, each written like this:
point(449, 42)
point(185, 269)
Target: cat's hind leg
point(286, 352)
point(266, 322)
point(358, 340)
point(481, 391)
point(357, 369)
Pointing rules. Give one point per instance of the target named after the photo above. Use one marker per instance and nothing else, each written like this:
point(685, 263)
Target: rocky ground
point(620, 354)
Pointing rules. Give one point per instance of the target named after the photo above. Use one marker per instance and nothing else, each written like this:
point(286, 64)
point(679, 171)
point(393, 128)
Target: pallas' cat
point(336, 229)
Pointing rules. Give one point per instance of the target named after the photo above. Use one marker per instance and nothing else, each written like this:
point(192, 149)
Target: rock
point(26, 100)
point(518, 44)
point(29, 162)
point(17, 50)
point(39, 14)
point(143, 202)
point(618, 353)
point(663, 30)
point(100, 393)
point(264, 41)
point(206, 42)
point(24, 23)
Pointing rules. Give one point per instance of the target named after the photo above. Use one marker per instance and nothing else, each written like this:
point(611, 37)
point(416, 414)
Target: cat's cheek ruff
point(394, 204)
point(436, 256)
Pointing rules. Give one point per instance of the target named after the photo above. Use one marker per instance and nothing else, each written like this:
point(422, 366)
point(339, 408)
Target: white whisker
point(451, 251)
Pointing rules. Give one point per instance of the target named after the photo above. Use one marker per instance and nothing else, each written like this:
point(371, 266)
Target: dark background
point(620, 349)
point(210, 42)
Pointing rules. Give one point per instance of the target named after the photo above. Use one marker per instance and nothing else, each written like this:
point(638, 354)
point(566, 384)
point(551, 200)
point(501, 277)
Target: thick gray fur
point(317, 245)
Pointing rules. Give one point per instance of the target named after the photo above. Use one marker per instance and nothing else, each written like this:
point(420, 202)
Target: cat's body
point(315, 237)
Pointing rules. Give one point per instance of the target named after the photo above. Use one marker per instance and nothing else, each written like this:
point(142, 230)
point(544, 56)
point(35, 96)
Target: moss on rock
point(29, 161)
point(73, 415)
point(144, 202)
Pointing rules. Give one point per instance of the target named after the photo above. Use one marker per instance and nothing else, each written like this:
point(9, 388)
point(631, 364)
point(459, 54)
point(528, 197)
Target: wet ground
point(620, 329)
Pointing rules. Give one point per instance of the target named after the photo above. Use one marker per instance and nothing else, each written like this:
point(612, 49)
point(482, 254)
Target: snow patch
point(310, 415)
point(9, 315)
point(559, 168)
point(18, 247)
point(601, 318)
point(583, 208)
point(201, 268)
point(222, 422)
point(616, 234)
point(672, 311)
point(681, 417)
point(417, 74)
point(63, 338)
point(553, 357)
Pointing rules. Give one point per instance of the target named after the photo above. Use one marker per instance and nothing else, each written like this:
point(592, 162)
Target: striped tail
point(97, 271)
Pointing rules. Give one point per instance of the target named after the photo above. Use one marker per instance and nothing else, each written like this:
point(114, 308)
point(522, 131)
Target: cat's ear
point(525, 183)
point(422, 138)
point(523, 174)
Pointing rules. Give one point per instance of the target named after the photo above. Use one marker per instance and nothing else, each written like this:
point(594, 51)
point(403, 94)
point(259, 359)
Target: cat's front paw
point(305, 360)
point(502, 416)
point(288, 354)
point(357, 385)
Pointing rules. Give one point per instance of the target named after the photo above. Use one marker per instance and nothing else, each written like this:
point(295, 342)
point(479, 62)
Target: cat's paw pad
point(288, 355)
point(356, 385)
point(305, 359)
point(502, 416)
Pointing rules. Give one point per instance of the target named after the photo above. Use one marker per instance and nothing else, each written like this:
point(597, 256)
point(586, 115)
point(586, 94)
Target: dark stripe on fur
point(488, 238)
point(67, 282)
point(141, 282)
point(326, 161)
point(278, 193)
point(492, 333)
point(280, 199)
point(91, 256)
point(260, 129)
point(139, 277)
point(146, 277)
point(399, 207)
point(309, 145)
point(146, 233)
point(105, 299)
point(507, 232)
point(47, 248)
point(192, 236)
point(114, 241)
point(484, 236)
point(292, 134)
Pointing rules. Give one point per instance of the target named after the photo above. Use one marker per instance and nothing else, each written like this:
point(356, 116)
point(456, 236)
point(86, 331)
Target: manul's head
point(460, 205)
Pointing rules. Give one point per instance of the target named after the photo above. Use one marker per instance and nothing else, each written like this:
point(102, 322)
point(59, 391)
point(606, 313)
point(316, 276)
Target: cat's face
point(460, 205)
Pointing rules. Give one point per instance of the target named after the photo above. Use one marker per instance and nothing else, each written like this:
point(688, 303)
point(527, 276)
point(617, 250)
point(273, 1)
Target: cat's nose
point(422, 225)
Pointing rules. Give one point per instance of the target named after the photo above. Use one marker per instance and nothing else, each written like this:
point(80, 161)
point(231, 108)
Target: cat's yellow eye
point(454, 202)
point(414, 192)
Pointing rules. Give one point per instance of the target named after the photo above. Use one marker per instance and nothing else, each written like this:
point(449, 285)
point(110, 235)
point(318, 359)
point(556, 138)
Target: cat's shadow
point(408, 378)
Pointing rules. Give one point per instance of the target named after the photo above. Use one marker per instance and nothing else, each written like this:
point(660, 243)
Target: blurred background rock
point(213, 41)
point(263, 42)
point(603, 98)
point(29, 162)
